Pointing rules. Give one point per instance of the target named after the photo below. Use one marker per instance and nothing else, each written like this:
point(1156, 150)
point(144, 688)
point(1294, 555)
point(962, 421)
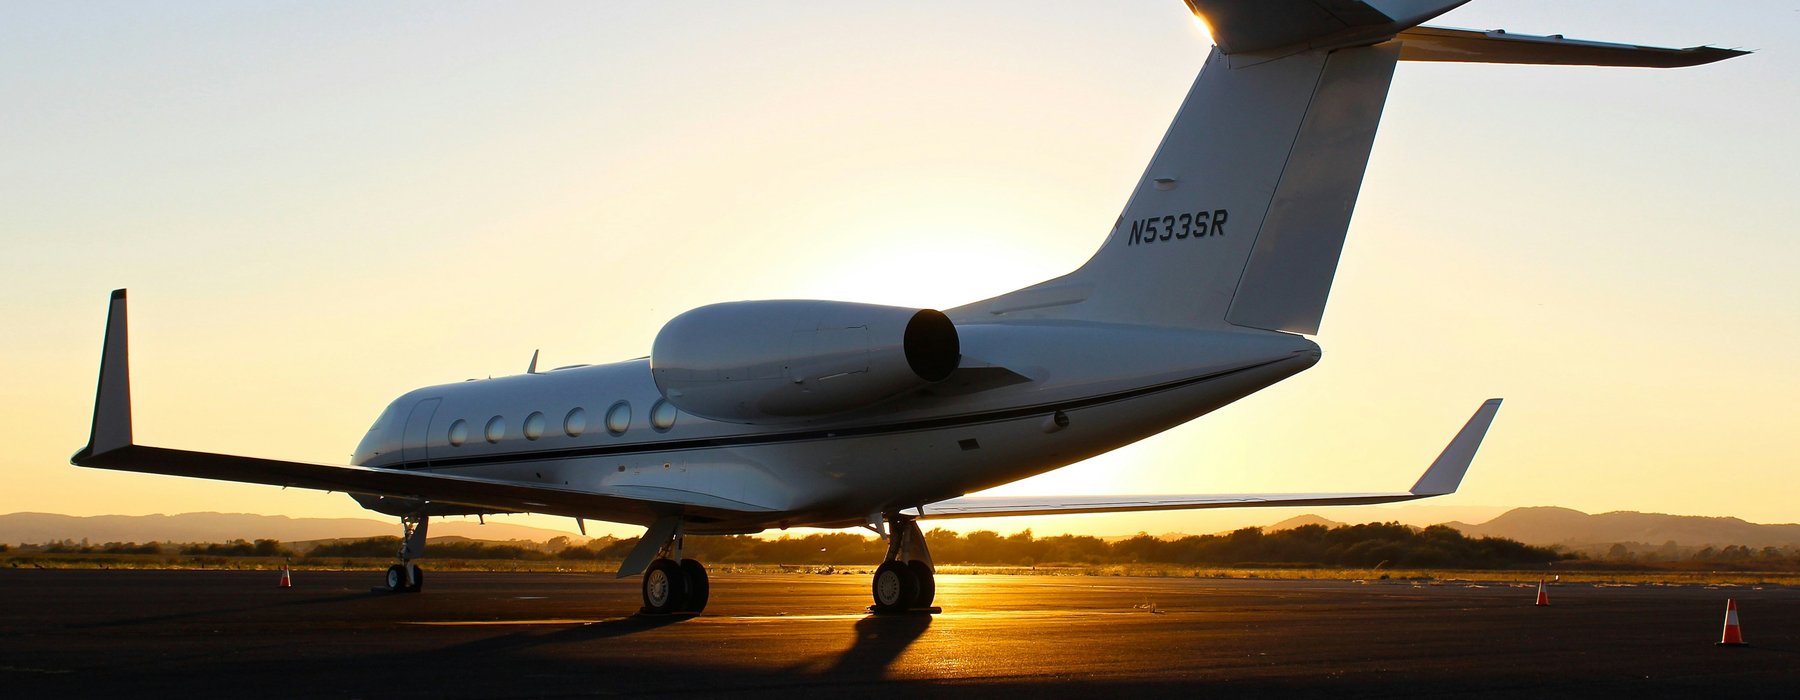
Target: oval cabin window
point(496, 429)
point(662, 415)
point(575, 423)
point(459, 432)
point(618, 418)
point(534, 425)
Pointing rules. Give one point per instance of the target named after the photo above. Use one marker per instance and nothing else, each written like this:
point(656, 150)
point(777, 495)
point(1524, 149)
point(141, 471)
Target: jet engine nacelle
point(782, 361)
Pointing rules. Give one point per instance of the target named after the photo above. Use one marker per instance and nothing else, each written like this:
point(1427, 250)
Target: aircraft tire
point(418, 578)
point(693, 573)
point(665, 589)
point(396, 579)
point(895, 587)
point(927, 583)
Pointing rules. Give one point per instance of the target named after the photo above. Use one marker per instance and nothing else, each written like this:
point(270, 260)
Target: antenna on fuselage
point(532, 368)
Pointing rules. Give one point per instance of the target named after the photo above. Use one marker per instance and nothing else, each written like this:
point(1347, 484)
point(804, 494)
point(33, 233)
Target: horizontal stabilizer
point(1468, 46)
point(1444, 475)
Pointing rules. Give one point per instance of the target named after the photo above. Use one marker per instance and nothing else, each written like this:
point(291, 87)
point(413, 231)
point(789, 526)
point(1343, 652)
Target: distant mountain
point(1573, 528)
point(34, 528)
point(1300, 521)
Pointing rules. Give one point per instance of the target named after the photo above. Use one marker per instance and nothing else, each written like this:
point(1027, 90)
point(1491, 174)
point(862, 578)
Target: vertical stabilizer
point(1288, 276)
point(1240, 217)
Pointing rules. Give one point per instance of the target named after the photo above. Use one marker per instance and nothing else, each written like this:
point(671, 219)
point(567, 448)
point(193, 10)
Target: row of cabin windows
point(618, 420)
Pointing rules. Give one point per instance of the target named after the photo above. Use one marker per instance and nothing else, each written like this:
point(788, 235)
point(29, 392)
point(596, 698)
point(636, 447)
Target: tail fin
point(1241, 215)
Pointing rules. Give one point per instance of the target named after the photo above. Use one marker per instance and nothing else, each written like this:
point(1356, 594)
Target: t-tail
point(1240, 217)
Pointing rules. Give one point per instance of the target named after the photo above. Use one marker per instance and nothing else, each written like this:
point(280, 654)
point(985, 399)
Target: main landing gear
point(905, 581)
point(407, 577)
point(673, 584)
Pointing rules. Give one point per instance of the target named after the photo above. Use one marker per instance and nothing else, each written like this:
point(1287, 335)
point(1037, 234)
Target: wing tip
point(111, 429)
point(1702, 55)
point(1445, 475)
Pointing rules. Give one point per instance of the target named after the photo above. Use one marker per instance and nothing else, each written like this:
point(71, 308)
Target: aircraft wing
point(110, 446)
point(635, 505)
point(1444, 475)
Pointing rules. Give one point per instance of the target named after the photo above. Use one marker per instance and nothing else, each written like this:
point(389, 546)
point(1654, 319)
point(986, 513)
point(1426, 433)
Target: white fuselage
point(982, 427)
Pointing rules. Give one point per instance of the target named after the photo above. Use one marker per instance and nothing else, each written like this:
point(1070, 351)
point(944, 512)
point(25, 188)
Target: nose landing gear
point(407, 577)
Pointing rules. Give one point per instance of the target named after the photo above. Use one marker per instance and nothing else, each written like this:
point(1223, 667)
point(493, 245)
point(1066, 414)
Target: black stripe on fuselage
point(819, 434)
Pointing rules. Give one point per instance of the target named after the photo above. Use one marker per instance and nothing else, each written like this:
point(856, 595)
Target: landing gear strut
point(905, 581)
point(673, 584)
point(407, 577)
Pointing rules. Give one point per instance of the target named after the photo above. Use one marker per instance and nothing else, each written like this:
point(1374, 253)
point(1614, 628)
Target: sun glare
point(1205, 29)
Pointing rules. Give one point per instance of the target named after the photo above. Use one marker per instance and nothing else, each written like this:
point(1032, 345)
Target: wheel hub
point(658, 589)
point(888, 587)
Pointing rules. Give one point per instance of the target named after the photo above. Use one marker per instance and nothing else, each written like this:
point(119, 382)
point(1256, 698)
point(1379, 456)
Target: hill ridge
point(1553, 525)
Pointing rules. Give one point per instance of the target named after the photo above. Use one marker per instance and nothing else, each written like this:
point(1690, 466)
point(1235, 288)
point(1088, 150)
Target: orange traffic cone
point(1543, 598)
point(1733, 637)
point(287, 579)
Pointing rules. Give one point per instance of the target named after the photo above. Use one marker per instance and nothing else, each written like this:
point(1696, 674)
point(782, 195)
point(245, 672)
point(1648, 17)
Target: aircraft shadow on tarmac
point(603, 629)
point(880, 640)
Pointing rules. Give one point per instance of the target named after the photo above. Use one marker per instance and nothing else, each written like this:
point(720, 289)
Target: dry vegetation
point(1378, 552)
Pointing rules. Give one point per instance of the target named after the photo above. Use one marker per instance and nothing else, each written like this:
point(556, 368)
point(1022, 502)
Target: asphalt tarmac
point(211, 633)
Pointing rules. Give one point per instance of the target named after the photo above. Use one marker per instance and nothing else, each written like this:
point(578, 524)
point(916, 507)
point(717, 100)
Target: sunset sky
point(318, 206)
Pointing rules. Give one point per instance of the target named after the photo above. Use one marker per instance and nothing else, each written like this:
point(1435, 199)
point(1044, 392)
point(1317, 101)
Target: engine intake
point(782, 361)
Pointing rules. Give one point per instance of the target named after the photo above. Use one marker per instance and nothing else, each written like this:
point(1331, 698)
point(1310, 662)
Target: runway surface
point(175, 633)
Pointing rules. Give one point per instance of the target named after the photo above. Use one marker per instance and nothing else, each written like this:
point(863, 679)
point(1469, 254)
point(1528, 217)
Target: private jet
point(753, 415)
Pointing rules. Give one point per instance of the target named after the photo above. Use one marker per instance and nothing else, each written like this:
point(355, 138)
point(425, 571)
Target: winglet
point(112, 400)
point(1447, 472)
